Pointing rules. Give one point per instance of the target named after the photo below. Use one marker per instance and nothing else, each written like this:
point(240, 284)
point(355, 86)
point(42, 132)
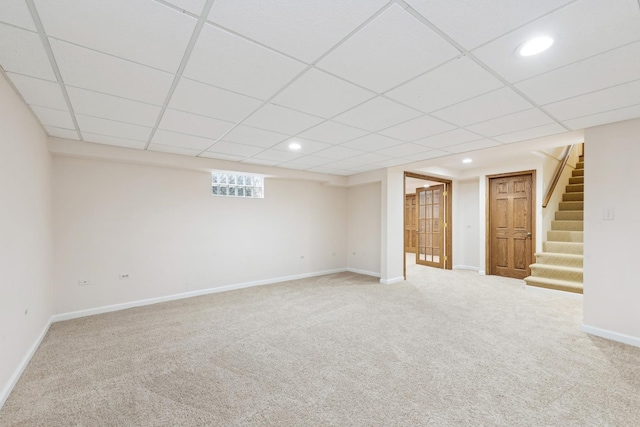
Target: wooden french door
point(410, 223)
point(431, 226)
point(511, 225)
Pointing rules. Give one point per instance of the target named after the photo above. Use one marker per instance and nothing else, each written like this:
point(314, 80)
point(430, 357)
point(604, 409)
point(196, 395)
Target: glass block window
point(232, 184)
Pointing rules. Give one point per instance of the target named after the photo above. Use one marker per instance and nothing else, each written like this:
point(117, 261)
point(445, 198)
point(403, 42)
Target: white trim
point(6, 391)
point(365, 272)
point(482, 273)
point(610, 335)
point(392, 280)
point(139, 303)
point(557, 292)
point(466, 267)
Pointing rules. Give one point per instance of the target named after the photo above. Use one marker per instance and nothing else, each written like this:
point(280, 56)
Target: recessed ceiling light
point(535, 46)
point(426, 186)
point(294, 146)
point(467, 160)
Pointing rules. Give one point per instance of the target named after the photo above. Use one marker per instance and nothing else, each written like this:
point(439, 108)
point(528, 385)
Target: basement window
point(230, 184)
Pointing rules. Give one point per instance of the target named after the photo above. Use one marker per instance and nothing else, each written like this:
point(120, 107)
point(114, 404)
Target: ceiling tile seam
point(112, 95)
point(17, 92)
point(455, 58)
point(26, 75)
point(305, 70)
point(579, 60)
point(183, 63)
point(52, 61)
point(113, 136)
point(9, 24)
point(111, 120)
point(108, 54)
point(603, 112)
point(177, 8)
point(480, 63)
point(222, 88)
point(591, 92)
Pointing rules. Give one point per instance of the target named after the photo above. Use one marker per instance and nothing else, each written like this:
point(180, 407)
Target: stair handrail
point(556, 176)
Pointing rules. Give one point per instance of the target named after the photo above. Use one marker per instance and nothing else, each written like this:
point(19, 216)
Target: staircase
point(559, 266)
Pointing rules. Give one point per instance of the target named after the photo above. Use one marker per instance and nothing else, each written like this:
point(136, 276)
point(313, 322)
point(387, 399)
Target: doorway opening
point(511, 224)
point(427, 221)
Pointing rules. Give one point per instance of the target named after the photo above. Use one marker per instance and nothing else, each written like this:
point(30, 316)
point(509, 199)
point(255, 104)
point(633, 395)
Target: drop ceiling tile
point(393, 162)
point(39, 92)
point(581, 29)
point(181, 140)
point(106, 127)
point(372, 142)
point(321, 94)
point(615, 67)
point(307, 162)
point(230, 62)
point(330, 171)
point(512, 123)
point(446, 139)
point(51, 117)
point(303, 29)
point(235, 149)
point(537, 132)
point(92, 70)
point(22, 52)
point(484, 107)
point(296, 166)
point(333, 133)
point(395, 37)
point(407, 149)
point(199, 98)
point(193, 6)
point(111, 140)
point(307, 146)
point(431, 154)
point(612, 98)
point(470, 146)
point(173, 150)
point(278, 156)
point(377, 114)
point(474, 23)
point(626, 113)
point(365, 168)
point(370, 158)
point(61, 133)
point(338, 153)
point(138, 30)
point(448, 84)
point(113, 108)
point(16, 12)
point(262, 162)
point(279, 119)
point(220, 156)
point(191, 124)
point(417, 128)
point(343, 164)
point(252, 136)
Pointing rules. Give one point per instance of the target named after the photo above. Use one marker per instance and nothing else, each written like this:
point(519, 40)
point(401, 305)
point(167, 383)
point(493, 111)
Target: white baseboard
point(140, 303)
point(6, 391)
point(610, 335)
point(466, 267)
point(482, 272)
point(392, 280)
point(365, 272)
point(553, 291)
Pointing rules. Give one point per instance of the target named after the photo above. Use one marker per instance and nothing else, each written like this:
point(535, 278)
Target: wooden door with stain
point(431, 226)
point(410, 223)
point(510, 225)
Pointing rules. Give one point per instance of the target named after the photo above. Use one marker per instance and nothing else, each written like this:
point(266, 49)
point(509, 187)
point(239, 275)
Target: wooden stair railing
point(556, 176)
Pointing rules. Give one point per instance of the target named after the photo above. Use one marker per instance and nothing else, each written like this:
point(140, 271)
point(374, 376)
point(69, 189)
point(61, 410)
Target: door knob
point(529, 234)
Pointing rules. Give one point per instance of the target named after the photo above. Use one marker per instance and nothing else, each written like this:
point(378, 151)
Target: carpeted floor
point(443, 349)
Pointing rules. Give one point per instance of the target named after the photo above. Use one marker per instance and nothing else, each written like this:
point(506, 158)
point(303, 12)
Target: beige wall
point(163, 227)
point(466, 229)
point(25, 235)
point(364, 228)
point(611, 284)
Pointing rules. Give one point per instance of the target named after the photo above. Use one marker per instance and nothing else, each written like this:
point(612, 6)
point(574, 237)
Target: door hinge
point(445, 193)
point(445, 225)
point(446, 259)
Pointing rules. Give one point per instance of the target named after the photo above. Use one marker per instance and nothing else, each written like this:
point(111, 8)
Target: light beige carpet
point(444, 349)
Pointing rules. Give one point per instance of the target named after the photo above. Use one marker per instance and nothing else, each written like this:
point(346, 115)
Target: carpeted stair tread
point(573, 197)
point(576, 180)
point(569, 215)
point(576, 248)
point(580, 164)
point(571, 206)
point(575, 188)
point(558, 285)
point(567, 225)
point(577, 172)
point(565, 236)
point(563, 259)
point(560, 272)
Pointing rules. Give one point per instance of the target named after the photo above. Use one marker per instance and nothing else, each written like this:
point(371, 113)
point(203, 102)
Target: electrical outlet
point(123, 276)
point(84, 282)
